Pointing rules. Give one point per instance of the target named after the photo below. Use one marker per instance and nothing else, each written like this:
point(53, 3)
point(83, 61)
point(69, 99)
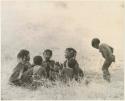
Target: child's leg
point(106, 74)
point(17, 82)
point(27, 76)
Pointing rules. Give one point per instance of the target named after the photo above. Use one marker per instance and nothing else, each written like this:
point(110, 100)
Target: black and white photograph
point(62, 49)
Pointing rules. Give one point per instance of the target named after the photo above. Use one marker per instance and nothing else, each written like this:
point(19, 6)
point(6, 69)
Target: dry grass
point(97, 88)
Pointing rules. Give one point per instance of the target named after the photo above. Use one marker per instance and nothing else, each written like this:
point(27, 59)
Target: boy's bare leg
point(106, 74)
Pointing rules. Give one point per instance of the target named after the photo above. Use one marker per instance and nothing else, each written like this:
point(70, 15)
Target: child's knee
point(106, 77)
point(105, 72)
point(103, 69)
point(106, 65)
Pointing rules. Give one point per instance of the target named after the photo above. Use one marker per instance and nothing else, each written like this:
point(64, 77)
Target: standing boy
point(107, 53)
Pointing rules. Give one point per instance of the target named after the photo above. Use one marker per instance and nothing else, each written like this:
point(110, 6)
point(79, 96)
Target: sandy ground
point(37, 25)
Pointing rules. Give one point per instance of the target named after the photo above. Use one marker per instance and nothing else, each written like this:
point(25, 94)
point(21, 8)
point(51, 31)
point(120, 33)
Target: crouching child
point(107, 53)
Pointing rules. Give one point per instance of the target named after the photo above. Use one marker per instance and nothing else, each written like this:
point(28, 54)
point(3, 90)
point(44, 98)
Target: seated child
point(71, 62)
point(47, 63)
point(24, 57)
point(107, 53)
point(36, 73)
point(38, 70)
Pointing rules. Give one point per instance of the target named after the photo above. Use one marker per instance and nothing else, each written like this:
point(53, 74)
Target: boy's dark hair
point(95, 41)
point(48, 50)
point(23, 53)
point(72, 51)
point(37, 60)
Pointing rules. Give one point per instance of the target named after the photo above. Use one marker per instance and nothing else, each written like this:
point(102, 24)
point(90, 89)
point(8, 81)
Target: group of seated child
point(25, 73)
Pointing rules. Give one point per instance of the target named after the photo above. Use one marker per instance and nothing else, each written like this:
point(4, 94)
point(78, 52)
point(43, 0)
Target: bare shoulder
point(18, 67)
point(103, 46)
point(41, 68)
point(52, 61)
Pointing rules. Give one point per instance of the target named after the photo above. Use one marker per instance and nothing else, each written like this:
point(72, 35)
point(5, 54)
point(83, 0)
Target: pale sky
point(61, 24)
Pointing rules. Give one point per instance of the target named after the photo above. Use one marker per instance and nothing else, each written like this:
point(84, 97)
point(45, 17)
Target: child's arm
point(51, 68)
point(111, 56)
point(107, 52)
point(104, 55)
point(20, 73)
point(103, 51)
point(51, 65)
point(112, 49)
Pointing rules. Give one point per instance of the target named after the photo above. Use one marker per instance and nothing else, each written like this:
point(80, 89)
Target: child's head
point(24, 55)
point(95, 43)
point(47, 54)
point(37, 60)
point(70, 53)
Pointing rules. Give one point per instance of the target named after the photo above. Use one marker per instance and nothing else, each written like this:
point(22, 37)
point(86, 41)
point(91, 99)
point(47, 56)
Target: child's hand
point(20, 74)
point(19, 77)
point(113, 58)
